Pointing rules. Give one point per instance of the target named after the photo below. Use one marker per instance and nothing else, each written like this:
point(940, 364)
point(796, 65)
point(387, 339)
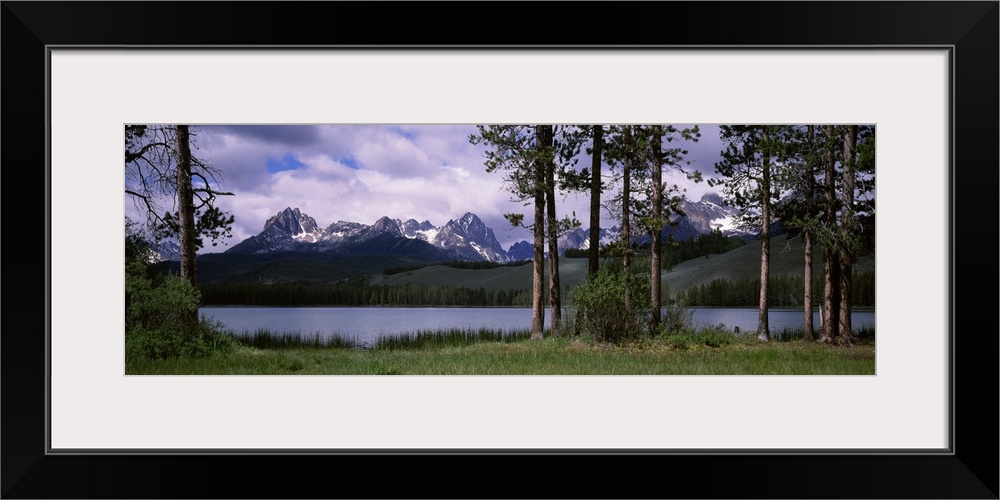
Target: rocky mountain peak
point(714, 198)
point(386, 225)
point(292, 221)
point(471, 238)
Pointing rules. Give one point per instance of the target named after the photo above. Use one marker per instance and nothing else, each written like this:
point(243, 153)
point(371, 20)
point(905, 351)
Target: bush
point(173, 341)
point(161, 314)
point(676, 317)
point(709, 337)
point(601, 310)
point(153, 305)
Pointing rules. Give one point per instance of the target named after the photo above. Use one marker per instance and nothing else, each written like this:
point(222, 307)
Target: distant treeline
point(705, 244)
point(783, 291)
point(458, 264)
point(357, 293)
point(675, 252)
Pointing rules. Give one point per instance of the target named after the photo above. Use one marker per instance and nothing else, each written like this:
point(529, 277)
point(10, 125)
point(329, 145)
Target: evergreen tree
point(645, 204)
point(847, 231)
point(663, 200)
point(829, 314)
point(798, 208)
point(159, 165)
point(519, 152)
point(749, 182)
point(546, 138)
point(624, 150)
point(656, 298)
point(597, 146)
point(809, 199)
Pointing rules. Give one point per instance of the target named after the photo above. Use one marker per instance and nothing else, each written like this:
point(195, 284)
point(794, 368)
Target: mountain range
point(291, 230)
point(700, 217)
point(467, 238)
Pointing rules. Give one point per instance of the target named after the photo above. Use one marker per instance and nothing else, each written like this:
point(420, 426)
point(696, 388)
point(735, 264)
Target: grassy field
point(715, 353)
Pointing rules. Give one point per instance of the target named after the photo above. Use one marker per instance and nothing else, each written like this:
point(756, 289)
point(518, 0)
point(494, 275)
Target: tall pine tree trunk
point(807, 302)
point(626, 229)
point(831, 296)
point(555, 300)
point(831, 261)
point(763, 329)
point(654, 258)
point(538, 264)
point(185, 213)
point(846, 236)
point(185, 207)
point(807, 238)
point(593, 254)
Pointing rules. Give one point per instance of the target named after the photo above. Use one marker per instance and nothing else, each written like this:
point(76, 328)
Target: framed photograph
point(924, 74)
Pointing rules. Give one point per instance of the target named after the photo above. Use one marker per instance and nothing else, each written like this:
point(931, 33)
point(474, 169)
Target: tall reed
point(447, 338)
point(267, 339)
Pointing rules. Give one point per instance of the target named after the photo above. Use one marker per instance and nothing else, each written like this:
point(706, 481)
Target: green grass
point(702, 353)
point(864, 334)
point(266, 339)
point(450, 338)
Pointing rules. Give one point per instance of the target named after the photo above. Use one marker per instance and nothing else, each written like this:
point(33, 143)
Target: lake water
point(367, 324)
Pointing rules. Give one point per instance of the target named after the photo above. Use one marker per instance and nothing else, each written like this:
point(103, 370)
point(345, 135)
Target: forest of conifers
point(785, 291)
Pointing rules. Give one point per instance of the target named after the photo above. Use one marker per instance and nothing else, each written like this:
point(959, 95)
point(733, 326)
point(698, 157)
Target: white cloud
point(360, 173)
point(459, 171)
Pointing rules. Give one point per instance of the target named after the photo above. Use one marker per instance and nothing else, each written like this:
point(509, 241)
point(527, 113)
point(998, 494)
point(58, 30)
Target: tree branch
point(132, 157)
point(213, 192)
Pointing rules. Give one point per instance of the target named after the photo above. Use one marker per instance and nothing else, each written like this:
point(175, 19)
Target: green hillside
point(340, 279)
point(299, 267)
point(744, 262)
point(786, 259)
point(571, 272)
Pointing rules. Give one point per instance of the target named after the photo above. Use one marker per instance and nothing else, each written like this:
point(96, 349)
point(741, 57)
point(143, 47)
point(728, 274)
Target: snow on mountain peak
point(713, 198)
point(293, 222)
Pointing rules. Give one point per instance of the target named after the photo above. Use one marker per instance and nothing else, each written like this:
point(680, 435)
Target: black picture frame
point(969, 470)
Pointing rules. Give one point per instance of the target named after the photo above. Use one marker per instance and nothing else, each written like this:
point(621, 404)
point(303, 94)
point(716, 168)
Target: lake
point(366, 324)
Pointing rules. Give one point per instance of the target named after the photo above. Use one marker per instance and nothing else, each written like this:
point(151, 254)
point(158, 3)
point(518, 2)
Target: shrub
point(676, 317)
point(173, 341)
point(157, 319)
point(161, 314)
point(709, 337)
point(151, 305)
point(678, 340)
point(601, 310)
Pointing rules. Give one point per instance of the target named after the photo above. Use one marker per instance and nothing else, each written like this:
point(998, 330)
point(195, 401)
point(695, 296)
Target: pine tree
point(159, 165)
point(593, 252)
point(547, 149)
point(828, 235)
point(847, 232)
point(663, 200)
point(519, 152)
point(802, 153)
point(749, 182)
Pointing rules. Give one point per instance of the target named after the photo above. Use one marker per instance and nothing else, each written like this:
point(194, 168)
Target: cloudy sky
point(361, 173)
